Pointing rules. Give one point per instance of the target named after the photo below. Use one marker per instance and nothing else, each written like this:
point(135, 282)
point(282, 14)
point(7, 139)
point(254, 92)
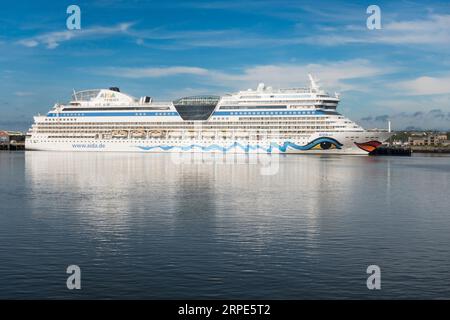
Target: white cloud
point(340, 75)
point(151, 72)
point(29, 43)
point(168, 94)
point(23, 93)
point(426, 86)
point(434, 30)
point(225, 38)
point(52, 39)
point(392, 102)
point(334, 75)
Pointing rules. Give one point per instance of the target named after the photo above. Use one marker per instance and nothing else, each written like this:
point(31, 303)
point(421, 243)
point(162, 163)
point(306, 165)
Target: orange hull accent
point(369, 146)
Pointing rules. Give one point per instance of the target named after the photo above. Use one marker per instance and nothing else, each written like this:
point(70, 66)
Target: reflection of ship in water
point(114, 191)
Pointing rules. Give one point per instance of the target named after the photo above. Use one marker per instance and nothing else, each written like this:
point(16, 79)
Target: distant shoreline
point(427, 149)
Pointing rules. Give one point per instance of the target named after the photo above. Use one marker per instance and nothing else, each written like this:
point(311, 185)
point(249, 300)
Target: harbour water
point(156, 226)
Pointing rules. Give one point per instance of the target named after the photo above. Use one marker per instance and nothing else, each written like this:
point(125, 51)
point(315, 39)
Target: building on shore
point(4, 138)
point(433, 139)
point(12, 140)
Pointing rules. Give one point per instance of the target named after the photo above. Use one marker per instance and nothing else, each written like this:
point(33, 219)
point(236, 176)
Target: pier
point(391, 151)
point(12, 140)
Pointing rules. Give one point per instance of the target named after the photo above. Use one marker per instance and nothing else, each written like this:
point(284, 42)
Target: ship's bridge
point(196, 107)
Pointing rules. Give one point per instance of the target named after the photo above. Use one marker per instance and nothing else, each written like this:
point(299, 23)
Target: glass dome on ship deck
point(196, 107)
point(85, 95)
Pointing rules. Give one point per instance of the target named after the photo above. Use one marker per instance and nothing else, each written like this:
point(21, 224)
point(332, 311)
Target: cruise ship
point(261, 120)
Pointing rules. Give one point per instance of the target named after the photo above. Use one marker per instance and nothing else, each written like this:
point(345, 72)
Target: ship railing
point(377, 130)
point(296, 90)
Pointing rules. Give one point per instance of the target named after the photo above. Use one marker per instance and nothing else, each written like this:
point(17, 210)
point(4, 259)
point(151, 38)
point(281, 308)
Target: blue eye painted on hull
point(323, 144)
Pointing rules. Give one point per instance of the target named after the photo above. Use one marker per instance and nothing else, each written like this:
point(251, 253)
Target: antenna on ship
point(74, 94)
point(314, 85)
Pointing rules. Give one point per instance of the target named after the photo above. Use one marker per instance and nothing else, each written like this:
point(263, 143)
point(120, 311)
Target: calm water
point(156, 226)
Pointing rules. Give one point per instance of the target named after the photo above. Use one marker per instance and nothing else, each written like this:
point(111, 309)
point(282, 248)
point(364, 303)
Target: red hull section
point(369, 146)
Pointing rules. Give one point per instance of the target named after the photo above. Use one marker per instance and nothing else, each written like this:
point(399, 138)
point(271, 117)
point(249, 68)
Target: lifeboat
point(138, 134)
point(225, 134)
point(155, 133)
point(175, 134)
point(208, 134)
point(241, 134)
point(191, 133)
point(120, 134)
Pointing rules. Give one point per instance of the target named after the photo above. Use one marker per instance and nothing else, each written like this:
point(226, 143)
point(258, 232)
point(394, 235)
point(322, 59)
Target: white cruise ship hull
point(341, 143)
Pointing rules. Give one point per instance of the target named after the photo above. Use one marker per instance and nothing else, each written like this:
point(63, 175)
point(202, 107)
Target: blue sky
point(168, 49)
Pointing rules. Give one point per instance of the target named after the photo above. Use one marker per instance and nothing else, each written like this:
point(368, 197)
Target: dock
point(12, 140)
point(391, 151)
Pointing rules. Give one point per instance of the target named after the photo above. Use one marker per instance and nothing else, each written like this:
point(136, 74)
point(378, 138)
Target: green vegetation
point(400, 136)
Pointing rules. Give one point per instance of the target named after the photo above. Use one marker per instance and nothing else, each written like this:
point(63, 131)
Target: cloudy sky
point(167, 49)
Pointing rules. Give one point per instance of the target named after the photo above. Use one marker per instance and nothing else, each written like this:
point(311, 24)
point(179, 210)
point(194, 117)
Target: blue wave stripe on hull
point(214, 147)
